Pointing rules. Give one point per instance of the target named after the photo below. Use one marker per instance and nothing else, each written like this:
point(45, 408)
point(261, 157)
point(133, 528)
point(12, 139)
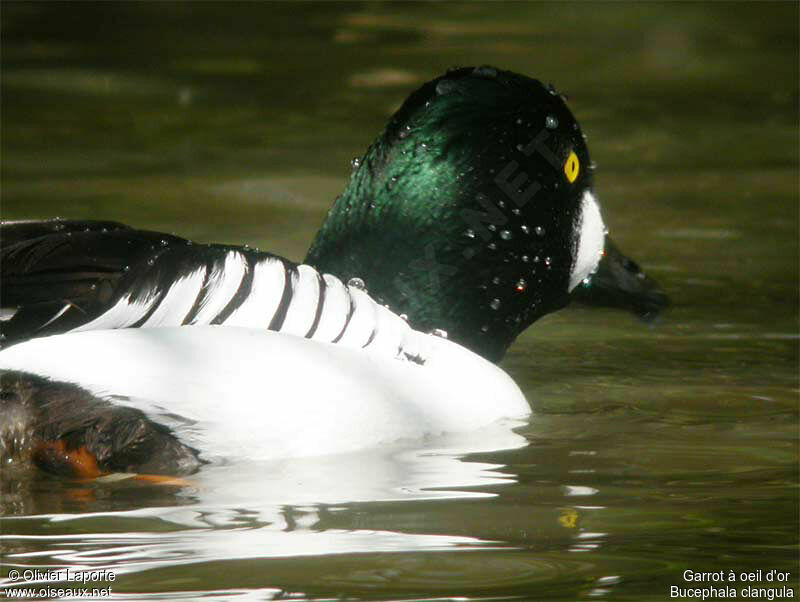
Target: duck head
point(473, 212)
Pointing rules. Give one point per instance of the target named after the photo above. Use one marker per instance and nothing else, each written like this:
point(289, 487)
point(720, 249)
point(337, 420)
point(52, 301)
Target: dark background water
point(650, 451)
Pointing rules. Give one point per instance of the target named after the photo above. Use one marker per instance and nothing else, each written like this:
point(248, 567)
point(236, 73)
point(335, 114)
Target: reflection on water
point(315, 507)
point(248, 510)
point(650, 451)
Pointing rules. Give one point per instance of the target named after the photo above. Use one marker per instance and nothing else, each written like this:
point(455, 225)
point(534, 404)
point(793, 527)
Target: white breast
point(239, 392)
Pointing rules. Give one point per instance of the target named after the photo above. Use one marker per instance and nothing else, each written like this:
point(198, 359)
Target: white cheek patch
point(590, 233)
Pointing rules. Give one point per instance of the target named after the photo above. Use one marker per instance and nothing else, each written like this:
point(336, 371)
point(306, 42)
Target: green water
point(651, 450)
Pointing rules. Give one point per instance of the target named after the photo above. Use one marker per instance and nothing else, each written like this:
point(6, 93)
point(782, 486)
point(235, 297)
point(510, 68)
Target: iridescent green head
point(473, 211)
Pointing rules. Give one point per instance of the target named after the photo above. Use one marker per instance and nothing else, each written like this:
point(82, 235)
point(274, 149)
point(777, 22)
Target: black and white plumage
point(279, 361)
point(64, 276)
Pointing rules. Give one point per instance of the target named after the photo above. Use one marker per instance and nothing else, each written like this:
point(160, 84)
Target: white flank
point(335, 308)
point(590, 233)
point(304, 302)
point(222, 285)
point(178, 301)
point(246, 393)
point(266, 292)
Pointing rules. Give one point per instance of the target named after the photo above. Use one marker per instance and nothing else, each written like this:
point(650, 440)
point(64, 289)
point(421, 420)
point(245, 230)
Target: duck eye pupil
point(572, 167)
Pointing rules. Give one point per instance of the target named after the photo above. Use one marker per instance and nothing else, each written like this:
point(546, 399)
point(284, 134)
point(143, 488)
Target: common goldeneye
point(471, 216)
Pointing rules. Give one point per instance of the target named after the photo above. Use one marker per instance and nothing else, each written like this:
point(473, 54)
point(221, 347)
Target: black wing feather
point(56, 275)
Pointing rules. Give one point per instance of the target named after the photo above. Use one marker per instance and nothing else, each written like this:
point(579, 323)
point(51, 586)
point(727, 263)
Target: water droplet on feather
point(357, 283)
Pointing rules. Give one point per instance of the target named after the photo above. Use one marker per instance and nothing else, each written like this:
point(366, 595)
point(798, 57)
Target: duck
point(470, 217)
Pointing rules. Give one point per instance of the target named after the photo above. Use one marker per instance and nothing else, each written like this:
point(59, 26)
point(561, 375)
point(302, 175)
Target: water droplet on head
point(525, 259)
point(515, 211)
point(485, 328)
point(492, 228)
point(470, 233)
point(93, 287)
point(539, 231)
point(492, 246)
point(438, 332)
point(164, 242)
point(495, 304)
point(519, 121)
point(445, 86)
point(505, 234)
point(355, 162)
point(548, 262)
point(357, 283)
point(496, 280)
point(524, 228)
point(551, 122)
point(520, 147)
point(151, 261)
point(485, 71)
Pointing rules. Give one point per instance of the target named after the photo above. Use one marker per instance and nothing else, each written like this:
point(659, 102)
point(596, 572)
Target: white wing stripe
point(222, 285)
point(57, 316)
point(266, 292)
point(335, 309)
point(124, 313)
point(362, 323)
point(303, 305)
point(178, 301)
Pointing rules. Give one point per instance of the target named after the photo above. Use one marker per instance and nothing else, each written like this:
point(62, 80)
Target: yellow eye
point(572, 167)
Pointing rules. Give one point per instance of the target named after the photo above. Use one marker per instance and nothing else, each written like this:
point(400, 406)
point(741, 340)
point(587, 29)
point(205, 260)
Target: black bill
point(620, 283)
